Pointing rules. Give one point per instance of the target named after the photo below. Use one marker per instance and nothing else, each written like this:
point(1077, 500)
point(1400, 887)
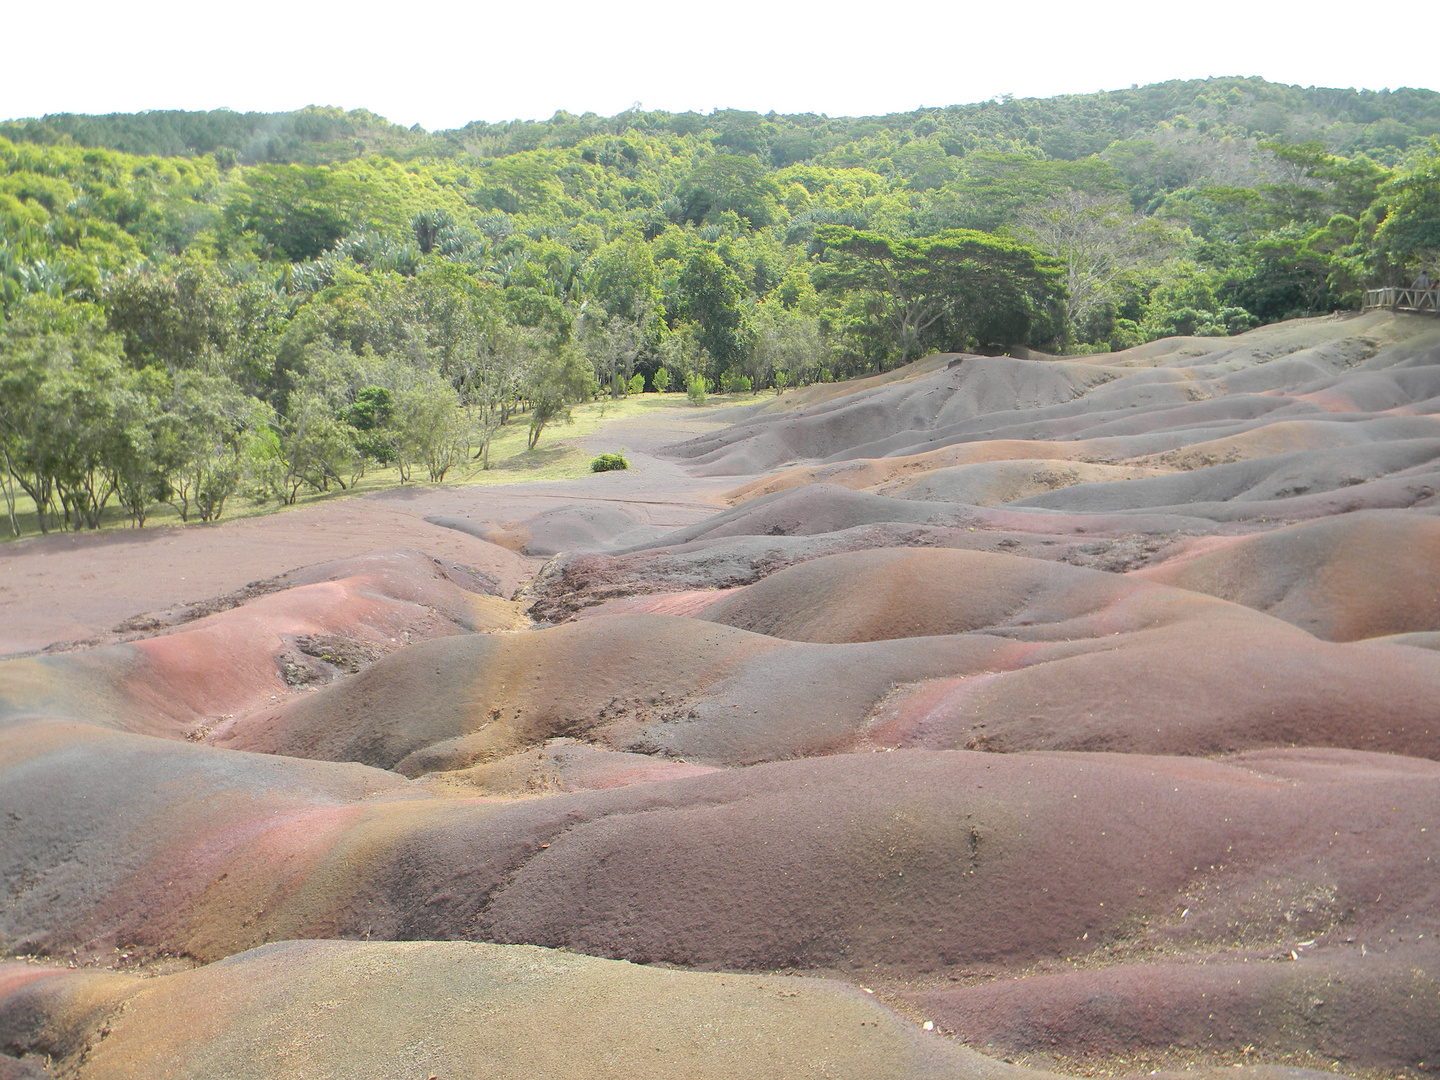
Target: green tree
point(713, 297)
point(1408, 236)
point(728, 182)
point(298, 211)
point(943, 290)
point(431, 429)
point(790, 345)
point(317, 447)
point(1098, 240)
point(613, 343)
point(430, 226)
point(371, 415)
point(169, 319)
point(136, 464)
point(696, 387)
point(200, 442)
point(61, 381)
point(558, 378)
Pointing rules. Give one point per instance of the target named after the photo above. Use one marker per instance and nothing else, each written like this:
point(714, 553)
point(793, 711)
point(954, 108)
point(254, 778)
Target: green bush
point(637, 384)
point(696, 389)
point(733, 383)
point(661, 380)
point(607, 462)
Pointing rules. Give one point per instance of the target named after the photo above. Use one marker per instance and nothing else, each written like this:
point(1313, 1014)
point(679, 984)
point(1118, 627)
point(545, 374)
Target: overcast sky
point(441, 63)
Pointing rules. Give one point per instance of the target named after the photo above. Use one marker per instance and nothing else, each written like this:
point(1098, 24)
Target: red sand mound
point(575, 582)
point(910, 647)
point(914, 592)
point(81, 585)
point(1185, 689)
point(239, 659)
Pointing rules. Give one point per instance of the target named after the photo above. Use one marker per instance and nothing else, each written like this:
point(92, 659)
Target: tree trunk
point(10, 495)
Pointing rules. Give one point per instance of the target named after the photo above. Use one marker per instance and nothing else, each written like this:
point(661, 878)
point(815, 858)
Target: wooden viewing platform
point(1420, 301)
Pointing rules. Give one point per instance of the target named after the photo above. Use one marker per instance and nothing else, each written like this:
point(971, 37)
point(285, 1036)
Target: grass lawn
point(510, 462)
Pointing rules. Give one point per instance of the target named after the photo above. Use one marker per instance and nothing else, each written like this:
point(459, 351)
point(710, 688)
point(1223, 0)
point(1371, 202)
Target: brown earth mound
point(872, 473)
point(568, 765)
point(1378, 362)
point(917, 592)
point(1363, 575)
point(1303, 485)
point(1095, 662)
point(677, 687)
point(999, 652)
point(370, 1010)
point(999, 482)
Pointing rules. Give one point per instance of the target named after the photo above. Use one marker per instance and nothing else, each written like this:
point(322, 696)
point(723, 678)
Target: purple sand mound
point(805, 511)
point(1363, 1005)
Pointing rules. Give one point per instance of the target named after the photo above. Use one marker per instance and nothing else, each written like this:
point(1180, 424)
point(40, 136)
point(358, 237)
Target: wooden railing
point(1422, 301)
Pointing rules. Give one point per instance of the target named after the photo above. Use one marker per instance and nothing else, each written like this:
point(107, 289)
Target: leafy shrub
point(734, 383)
point(696, 389)
point(1189, 321)
point(637, 384)
point(661, 380)
point(608, 462)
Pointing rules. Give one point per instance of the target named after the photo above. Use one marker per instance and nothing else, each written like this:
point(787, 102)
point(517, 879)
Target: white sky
point(441, 63)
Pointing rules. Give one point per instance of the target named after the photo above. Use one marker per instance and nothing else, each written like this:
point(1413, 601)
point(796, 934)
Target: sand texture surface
point(988, 719)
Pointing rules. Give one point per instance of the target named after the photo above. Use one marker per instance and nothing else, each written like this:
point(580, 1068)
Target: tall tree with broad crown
point(959, 283)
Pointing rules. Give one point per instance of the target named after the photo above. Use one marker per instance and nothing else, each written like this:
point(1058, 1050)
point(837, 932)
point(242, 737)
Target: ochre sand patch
point(350, 1009)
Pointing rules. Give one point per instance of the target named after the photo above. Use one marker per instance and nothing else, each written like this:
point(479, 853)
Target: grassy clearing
point(556, 458)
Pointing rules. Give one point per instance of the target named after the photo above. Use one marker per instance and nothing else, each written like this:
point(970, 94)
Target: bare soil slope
point(1079, 712)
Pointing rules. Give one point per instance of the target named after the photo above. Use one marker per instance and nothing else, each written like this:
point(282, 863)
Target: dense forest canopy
point(1383, 124)
point(202, 303)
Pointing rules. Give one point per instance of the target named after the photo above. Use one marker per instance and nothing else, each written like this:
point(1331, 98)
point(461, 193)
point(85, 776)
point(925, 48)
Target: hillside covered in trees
point(199, 304)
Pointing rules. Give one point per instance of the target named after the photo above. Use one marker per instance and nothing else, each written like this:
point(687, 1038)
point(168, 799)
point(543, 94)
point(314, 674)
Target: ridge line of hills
point(1064, 127)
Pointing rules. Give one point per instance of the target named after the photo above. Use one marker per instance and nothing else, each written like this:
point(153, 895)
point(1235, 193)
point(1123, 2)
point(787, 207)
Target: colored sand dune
point(991, 719)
